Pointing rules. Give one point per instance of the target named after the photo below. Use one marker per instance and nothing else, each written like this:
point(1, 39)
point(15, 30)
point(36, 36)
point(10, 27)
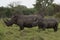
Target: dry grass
point(13, 33)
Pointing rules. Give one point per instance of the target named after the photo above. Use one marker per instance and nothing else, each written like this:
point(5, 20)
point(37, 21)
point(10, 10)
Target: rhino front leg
point(21, 28)
point(55, 28)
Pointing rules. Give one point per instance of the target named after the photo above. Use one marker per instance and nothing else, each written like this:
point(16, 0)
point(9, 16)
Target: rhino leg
point(55, 28)
point(39, 27)
point(21, 28)
point(43, 28)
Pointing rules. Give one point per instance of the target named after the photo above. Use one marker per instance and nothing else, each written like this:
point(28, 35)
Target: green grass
point(13, 33)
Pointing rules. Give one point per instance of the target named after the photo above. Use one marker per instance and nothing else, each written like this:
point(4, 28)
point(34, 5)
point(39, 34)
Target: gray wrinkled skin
point(30, 21)
point(22, 21)
point(48, 23)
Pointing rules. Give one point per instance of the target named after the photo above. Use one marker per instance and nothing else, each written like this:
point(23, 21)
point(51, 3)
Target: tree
point(53, 9)
point(20, 9)
point(16, 8)
point(41, 5)
point(29, 11)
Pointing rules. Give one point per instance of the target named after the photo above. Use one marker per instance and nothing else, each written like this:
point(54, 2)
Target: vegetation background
point(44, 7)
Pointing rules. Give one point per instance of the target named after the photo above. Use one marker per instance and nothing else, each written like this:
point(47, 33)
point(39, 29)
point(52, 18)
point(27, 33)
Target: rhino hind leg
point(55, 29)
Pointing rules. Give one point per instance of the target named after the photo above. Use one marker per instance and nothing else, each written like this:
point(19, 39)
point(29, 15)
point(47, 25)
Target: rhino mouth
point(7, 22)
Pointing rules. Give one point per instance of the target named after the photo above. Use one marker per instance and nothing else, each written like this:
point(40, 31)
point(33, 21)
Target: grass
point(13, 33)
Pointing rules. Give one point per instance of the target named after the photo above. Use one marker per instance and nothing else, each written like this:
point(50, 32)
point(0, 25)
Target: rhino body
point(22, 21)
point(30, 21)
point(48, 23)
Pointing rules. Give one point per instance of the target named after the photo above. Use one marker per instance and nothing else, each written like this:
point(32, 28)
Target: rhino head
point(8, 22)
point(11, 21)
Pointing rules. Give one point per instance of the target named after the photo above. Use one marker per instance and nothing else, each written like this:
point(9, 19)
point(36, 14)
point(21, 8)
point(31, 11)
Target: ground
point(13, 33)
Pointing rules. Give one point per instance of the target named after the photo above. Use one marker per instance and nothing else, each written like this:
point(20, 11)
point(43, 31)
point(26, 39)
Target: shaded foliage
point(20, 9)
point(43, 7)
